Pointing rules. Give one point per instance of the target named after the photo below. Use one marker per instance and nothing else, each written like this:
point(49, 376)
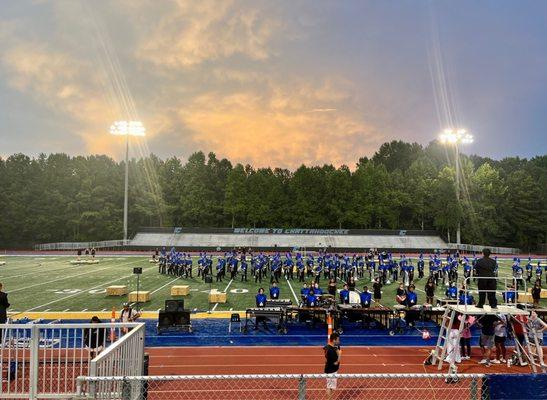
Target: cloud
point(315, 110)
point(65, 86)
point(193, 32)
point(273, 127)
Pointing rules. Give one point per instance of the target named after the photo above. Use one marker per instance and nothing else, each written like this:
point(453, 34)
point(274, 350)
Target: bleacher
point(281, 239)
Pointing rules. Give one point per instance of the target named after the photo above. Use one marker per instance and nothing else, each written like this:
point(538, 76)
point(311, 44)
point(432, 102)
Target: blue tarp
point(517, 386)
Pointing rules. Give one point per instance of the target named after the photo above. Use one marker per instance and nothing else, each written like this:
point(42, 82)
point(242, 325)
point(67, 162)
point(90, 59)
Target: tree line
point(57, 197)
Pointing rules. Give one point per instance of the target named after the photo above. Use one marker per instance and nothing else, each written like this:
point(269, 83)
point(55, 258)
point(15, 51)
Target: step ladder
point(529, 352)
point(442, 350)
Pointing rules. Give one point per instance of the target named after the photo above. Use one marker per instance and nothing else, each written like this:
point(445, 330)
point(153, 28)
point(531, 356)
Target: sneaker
point(483, 361)
point(496, 362)
point(487, 364)
point(524, 364)
point(479, 306)
point(465, 358)
point(503, 360)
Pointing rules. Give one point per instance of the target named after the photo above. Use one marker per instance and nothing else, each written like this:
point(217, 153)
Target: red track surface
point(301, 360)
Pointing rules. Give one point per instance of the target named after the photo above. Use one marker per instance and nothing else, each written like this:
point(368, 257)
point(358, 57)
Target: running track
point(302, 360)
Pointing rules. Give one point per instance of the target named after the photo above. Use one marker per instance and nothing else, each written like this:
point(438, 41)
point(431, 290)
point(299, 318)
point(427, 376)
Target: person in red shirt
point(519, 329)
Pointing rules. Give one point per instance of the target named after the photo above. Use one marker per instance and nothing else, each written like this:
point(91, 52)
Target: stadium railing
point(124, 358)
point(295, 386)
point(81, 245)
point(43, 360)
point(478, 248)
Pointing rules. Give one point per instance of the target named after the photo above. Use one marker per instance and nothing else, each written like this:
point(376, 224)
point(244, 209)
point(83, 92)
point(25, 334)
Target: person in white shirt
point(500, 335)
point(128, 315)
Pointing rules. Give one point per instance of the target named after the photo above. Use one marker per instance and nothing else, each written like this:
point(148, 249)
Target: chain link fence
point(280, 387)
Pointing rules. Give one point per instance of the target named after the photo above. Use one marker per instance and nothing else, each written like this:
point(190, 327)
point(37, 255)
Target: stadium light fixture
point(456, 137)
point(127, 128)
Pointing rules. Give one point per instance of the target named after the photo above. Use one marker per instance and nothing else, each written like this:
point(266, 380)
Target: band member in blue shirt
point(539, 271)
point(421, 266)
point(261, 298)
point(452, 291)
point(260, 303)
point(344, 295)
point(465, 298)
point(366, 298)
point(411, 296)
point(510, 295)
point(311, 300)
point(274, 291)
point(529, 270)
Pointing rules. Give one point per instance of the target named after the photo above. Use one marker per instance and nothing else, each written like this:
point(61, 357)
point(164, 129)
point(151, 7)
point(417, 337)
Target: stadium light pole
point(126, 128)
point(456, 137)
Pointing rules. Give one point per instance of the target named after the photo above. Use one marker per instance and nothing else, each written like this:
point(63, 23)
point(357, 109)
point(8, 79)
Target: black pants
point(487, 284)
point(465, 344)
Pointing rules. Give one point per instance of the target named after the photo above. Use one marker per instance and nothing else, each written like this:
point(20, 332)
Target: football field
point(50, 283)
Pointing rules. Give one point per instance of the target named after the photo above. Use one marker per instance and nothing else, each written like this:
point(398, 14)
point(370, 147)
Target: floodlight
point(124, 128)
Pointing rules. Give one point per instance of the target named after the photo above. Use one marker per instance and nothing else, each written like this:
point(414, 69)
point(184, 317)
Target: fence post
point(474, 388)
point(34, 361)
point(126, 389)
point(302, 388)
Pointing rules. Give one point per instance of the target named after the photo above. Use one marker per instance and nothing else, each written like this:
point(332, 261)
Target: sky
point(272, 83)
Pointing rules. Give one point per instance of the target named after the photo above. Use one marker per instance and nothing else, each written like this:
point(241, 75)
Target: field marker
point(66, 310)
point(85, 309)
point(84, 291)
point(58, 279)
point(225, 289)
point(104, 309)
point(292, 290)
point(161, 287)
point(47, 309)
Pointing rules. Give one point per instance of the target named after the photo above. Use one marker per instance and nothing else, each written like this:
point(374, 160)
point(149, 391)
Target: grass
point(38, 283)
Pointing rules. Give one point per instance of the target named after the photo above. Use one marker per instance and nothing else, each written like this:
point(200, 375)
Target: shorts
point(332, 380)
point(487, 341)
point(533, 342)
point(499, 339)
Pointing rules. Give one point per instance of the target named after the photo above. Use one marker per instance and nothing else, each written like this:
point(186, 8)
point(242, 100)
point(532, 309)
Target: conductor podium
point(174, 318)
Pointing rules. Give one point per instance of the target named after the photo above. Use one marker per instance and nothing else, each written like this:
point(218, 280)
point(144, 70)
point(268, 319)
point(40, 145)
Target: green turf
point(37, 283)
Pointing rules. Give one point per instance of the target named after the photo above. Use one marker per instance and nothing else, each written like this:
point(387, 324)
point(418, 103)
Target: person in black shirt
point(332, 361)
point(485, 268)
point(94, 338)
point(4, 305)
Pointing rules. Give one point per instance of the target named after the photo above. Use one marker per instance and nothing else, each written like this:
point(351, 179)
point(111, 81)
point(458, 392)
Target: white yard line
point(85, 309)
point(58, 279)
point(66, 310)
point(161, 287)
point(225, 289)
point(82, 292)
point(293, 293)
point(48, 271)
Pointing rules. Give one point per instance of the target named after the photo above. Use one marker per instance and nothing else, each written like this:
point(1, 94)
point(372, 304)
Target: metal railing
point(295, 386)
point(81, 245)
point(478, 248)
point(509, 288)
point(44, 360)
point(124, 358)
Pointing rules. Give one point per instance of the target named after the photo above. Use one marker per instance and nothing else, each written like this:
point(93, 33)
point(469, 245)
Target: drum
point(354, 298)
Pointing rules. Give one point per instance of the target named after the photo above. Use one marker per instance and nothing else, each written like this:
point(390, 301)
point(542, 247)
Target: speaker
point(167, 319)
point(208, 279)
point(137, 270)
point(174, 305)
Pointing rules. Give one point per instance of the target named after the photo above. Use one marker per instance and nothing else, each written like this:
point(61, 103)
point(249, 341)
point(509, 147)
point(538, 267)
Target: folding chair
point(234, 318)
